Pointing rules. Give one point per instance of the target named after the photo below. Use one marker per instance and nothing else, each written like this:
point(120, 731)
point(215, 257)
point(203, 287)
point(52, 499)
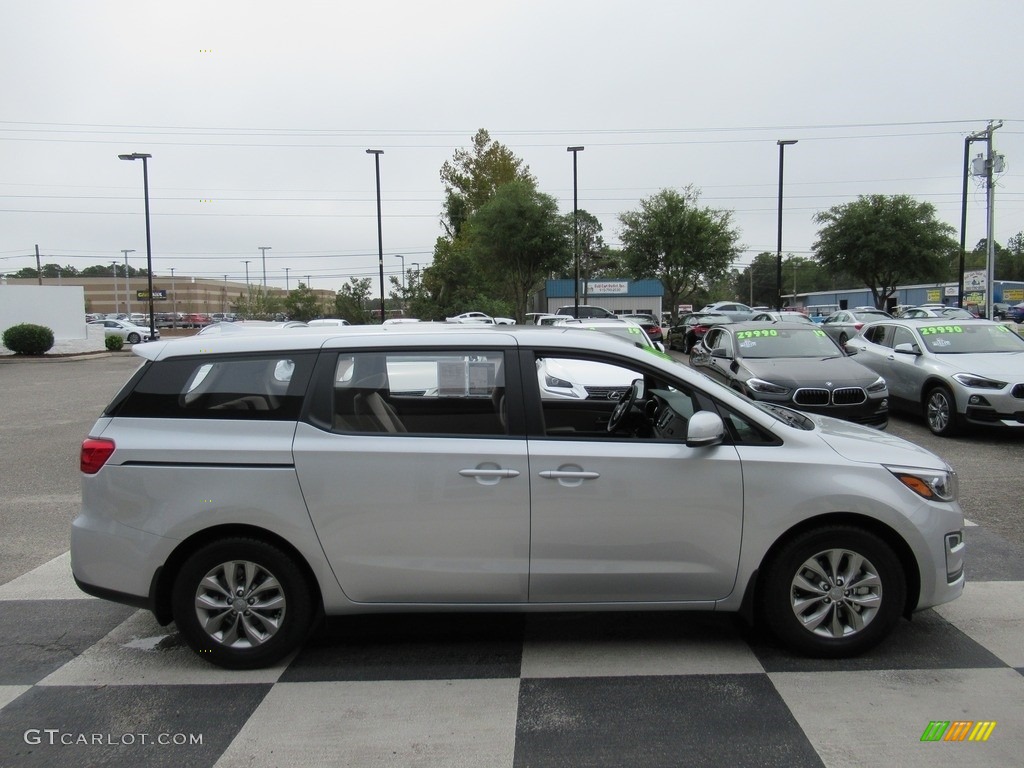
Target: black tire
point(843, 338)
point(687, 344)
point(940, 411)
point(266, 614)
point(806, 600)
point(134, 338)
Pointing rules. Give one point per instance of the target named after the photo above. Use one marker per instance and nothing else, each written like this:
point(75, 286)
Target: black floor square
point(708, 720)
point(925, 642)
point(126, 725)
point(449, 646)
point(40, 636)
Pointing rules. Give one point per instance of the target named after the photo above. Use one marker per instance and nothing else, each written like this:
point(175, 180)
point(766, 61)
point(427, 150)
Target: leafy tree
point(592, 247)
point(518, 238)
point(673, 239)
point(351, 300)
point(258, 304)
point(471, 177)
point(301, 304)
point(884, 241)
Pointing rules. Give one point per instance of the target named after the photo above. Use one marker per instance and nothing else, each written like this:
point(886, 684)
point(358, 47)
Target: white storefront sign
point(608, 287)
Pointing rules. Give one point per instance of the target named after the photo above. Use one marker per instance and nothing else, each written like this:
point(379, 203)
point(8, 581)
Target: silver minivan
point(244, 485)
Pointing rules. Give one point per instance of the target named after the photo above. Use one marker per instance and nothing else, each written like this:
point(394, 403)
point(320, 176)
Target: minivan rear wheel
point(241, 603)
point(833, 592)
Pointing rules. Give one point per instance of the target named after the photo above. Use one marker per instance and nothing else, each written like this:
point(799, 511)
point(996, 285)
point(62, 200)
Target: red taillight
point(95, 453)
point(858, 326)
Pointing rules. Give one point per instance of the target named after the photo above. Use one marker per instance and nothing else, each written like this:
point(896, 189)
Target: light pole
point(380, 232)
point(783, 143)
point(174, 302)
point(113, 266)
point(575, 233)
point(286, 279)
point(149, 245)
point(264, 249)
point(398, 256)
point(127, 285)
point(248, 291)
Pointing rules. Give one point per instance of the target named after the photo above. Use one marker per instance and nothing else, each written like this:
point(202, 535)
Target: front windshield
point(771, 343)
point(968, 338)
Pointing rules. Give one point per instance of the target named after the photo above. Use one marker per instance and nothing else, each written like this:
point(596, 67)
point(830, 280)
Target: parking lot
point(86, 682)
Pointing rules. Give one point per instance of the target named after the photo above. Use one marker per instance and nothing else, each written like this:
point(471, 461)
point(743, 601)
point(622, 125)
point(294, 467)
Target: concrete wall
point(59, 308)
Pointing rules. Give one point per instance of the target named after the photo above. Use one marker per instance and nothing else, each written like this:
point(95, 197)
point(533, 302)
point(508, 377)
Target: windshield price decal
point(756, 334)
point(819, 333)
point(935, 329)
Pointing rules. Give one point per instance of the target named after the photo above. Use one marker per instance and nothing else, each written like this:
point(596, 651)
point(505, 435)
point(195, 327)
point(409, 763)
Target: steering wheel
point(623, 407)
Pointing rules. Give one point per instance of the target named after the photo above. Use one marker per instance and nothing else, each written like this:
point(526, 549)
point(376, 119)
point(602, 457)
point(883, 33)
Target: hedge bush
point(114, 343)
point(28, 339)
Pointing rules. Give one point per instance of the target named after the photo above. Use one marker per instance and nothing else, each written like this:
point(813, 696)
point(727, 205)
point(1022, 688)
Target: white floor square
point(370, 724)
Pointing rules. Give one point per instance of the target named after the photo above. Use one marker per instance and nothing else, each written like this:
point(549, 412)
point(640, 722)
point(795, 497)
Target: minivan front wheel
point(241, 603)
point(833, 592)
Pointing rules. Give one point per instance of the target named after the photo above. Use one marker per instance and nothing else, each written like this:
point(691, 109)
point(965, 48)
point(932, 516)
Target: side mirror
point(720, 353)
point(906, 349)
point(850, 351)
point(704, 429)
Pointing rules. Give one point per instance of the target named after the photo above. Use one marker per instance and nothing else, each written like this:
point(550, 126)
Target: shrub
point(28, 339)
point(114, 343)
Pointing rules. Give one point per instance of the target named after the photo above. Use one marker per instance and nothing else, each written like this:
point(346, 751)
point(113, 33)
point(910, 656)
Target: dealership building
point(623, 297)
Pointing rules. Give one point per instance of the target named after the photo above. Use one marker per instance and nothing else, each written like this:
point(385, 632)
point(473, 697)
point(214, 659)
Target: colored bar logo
point(958, 730)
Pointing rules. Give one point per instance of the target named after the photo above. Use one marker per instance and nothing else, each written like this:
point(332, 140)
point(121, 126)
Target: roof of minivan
point(424, 334)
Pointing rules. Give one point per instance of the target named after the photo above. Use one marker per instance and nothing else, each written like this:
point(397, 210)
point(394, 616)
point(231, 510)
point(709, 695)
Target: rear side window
point(261, 387)
point(427, 392)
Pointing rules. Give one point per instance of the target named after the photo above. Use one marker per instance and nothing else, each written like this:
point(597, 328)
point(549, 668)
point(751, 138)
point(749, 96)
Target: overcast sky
point(258, 116)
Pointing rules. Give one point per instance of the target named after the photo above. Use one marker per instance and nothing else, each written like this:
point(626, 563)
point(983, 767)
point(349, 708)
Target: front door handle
point(497, 473)
point(561, 474)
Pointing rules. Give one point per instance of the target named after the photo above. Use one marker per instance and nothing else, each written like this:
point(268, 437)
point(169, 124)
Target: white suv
point(243, 485)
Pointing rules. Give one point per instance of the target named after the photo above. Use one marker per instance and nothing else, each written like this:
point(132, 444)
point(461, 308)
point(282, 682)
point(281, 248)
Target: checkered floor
point(84, 682)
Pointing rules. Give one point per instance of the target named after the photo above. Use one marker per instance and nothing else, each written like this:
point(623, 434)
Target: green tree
point(518, 238)
point(301, 304)
point(592, 247)
point(351, 300)
point(471, 177)
point(673, 239)
point(257, 304)
point(884, 241)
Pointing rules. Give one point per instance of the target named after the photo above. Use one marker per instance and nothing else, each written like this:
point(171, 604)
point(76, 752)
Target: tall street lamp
point(783, 143)
point(149, 245)
point(286, 279)
point(575, 234)
point(248, 290)
point(264, 249)
point(399, 256)
point(380, 232)
point(127, 285)
point(113, 266)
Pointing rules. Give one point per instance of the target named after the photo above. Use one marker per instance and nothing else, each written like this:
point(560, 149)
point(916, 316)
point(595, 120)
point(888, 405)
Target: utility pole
point(988, 166)
point(39, 271)
point(127, 285)
point(264, 249)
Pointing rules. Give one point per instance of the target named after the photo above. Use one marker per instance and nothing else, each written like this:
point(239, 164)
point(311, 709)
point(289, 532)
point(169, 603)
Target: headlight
point(555, 382)
point(978, 382)
point(878, 385)
point(766, 387)
point(934, 485)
